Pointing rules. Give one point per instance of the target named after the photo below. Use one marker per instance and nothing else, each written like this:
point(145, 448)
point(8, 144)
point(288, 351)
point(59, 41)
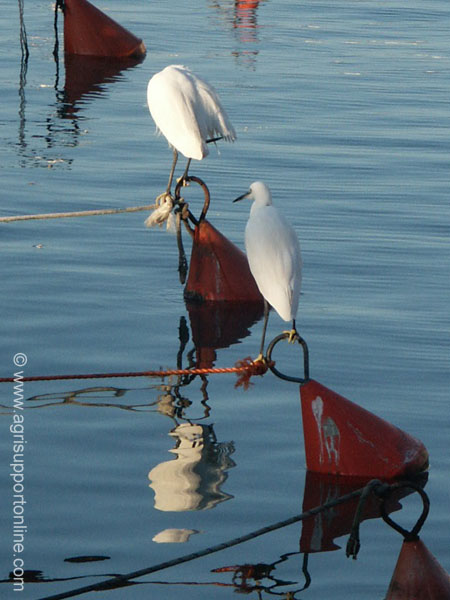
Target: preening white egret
point(188, 112)
point(274, 257)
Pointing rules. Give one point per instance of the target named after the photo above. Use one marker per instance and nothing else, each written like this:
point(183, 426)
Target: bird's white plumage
point(273, 253)
point(187, 111)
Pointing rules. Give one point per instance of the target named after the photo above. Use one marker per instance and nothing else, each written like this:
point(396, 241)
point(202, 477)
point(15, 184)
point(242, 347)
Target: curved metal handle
point(413, 534)
point(275, 371)
point(205, 189)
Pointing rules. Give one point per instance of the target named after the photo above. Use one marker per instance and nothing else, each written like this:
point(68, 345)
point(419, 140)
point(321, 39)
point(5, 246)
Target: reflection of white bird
point(274, 256)
point(188, 112)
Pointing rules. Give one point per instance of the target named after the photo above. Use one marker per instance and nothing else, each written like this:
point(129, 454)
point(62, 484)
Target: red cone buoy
point(344, 439)
point(219, 270)
point(418, 575)
point(88, 31)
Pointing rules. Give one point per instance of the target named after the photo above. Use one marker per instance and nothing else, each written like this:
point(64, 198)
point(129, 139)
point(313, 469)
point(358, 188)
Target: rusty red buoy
point(418, 575)
point(219, 270)
point(89, 32)
point(343, 438)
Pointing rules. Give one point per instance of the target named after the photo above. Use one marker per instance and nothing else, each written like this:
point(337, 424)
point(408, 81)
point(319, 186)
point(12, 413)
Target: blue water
point(342, 108)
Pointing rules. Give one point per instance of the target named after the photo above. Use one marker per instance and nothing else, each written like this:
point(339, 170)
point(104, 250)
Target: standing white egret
point(188, 112)
point(274, 257)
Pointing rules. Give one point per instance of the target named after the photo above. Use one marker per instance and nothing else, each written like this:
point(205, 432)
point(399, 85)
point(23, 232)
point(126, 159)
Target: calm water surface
point(343, 109)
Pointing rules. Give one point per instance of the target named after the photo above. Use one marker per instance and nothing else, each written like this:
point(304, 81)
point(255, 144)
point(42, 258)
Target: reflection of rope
point(246, 367)
point(380, 489)
point(23, 34)
point(120, 580)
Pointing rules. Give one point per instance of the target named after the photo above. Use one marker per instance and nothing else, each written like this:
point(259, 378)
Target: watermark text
point(17, 474)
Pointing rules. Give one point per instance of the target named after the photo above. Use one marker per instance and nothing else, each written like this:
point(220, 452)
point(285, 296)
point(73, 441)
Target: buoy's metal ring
point(275, 371)
point(413, 534)
point(205, 189)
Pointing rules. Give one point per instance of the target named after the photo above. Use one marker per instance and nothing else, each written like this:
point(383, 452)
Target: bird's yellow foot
point(260, 359)
point(184, 180)
point(292, 335)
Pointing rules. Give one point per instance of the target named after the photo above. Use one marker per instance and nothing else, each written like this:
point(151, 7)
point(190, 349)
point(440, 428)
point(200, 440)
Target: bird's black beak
point(241, 197)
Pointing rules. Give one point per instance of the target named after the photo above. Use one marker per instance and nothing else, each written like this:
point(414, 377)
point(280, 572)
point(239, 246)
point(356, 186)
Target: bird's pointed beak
point(241, 197)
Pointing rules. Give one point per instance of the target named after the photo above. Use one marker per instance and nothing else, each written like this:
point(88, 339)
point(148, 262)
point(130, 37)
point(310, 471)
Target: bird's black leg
point(172, 170)
point(293, 334)
point(185, 174)
point(263, 339)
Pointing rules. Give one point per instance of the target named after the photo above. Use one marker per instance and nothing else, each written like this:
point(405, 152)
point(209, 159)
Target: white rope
point(81, 213)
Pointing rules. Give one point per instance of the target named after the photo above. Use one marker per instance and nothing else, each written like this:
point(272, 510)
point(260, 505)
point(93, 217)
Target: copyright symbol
point(20, 359)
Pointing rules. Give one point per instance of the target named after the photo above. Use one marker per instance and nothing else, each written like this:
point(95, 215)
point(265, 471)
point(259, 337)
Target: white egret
point(188, 112)
point(274, 257)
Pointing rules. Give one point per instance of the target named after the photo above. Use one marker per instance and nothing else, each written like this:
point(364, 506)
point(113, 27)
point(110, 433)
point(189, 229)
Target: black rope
point(353, 543)
point(383, 492)
point(182, 260)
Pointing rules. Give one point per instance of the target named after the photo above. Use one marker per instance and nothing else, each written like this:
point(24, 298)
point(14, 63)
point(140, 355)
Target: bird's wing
point(211, 115)
point(173, 103)
point(274, 257)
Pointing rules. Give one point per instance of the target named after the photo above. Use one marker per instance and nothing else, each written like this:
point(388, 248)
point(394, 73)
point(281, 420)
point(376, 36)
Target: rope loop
point(286, 336)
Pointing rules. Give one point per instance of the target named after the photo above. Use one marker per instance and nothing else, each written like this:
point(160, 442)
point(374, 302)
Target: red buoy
point(89, 32)
point(219, 270)
point(418, 575)
point(343, 438)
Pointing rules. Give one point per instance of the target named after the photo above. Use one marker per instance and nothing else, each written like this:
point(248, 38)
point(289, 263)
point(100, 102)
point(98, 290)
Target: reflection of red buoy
point(418, 575)
point(88, 31)
point(85, 76)
point(219, 270)
point(217, 325)
point(320, 530)
point(343, 438)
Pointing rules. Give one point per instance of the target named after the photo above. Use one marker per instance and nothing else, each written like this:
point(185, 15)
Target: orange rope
point(246, 367)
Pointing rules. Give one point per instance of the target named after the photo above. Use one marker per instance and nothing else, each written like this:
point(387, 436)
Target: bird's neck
point(259, 204)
